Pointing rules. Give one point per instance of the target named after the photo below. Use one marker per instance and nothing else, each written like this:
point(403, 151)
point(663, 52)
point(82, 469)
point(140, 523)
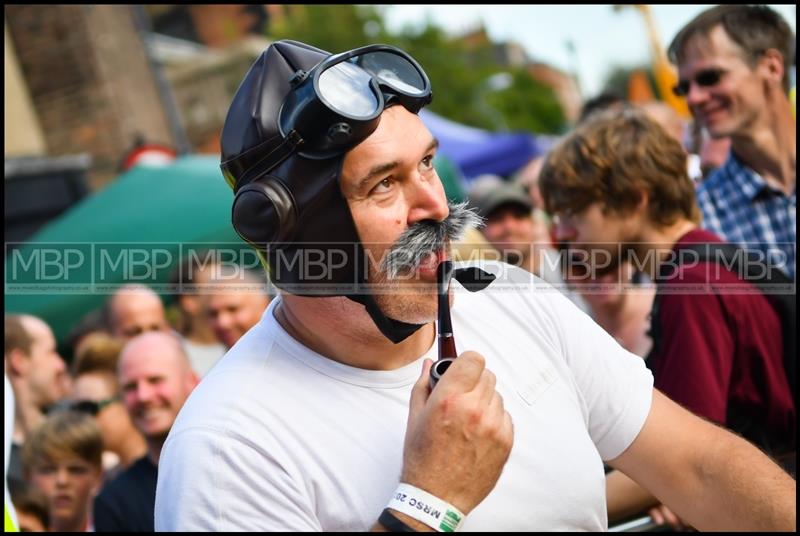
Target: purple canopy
point(477, 151)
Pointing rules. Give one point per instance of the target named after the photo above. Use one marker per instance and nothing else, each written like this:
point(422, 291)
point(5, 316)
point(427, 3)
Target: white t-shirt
point(203, 356)
point(280, 438)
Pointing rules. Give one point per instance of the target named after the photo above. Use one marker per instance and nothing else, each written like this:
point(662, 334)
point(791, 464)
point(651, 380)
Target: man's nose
point(427, 200)
point(224, 320)
point(696, 95)
point(563, 231)
point(62, 476)
point(143, 392)
point(508, 222)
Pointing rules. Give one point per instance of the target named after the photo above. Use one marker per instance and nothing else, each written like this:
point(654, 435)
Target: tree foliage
point(331, 27)
point(458, 72)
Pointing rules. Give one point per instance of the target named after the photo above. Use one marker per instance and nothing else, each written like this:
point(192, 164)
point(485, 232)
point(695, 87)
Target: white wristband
point(429, 509)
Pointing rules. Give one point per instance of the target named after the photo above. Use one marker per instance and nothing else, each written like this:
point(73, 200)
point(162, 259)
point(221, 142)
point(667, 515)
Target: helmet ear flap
point(264, 212)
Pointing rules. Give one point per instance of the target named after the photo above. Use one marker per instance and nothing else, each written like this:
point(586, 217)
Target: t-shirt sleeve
point(614, 385)
point(693, 366)
point(225, 483)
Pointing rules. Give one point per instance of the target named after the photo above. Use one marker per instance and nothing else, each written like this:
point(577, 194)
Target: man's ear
point(17, 363)
point(771, 64)
point(192, 379)
point(642, 202)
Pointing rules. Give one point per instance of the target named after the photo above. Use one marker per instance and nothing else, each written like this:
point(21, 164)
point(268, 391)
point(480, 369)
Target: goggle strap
point(275, 157)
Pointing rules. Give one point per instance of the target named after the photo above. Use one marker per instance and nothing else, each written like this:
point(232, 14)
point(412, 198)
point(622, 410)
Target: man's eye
point(46, 469)
point(78, 469)
point(383, 186)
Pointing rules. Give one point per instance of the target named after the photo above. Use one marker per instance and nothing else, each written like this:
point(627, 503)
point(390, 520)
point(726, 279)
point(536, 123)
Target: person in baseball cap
point(509, 223)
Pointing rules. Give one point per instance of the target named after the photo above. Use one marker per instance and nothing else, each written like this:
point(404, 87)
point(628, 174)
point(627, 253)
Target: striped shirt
point(740, 206)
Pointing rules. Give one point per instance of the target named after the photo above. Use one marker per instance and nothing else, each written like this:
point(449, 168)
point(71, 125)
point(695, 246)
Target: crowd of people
point(86, 437)
point(637, 371)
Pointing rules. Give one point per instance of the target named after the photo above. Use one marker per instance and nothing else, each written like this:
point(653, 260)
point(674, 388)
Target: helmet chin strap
point(473, 279)
point(394, 330)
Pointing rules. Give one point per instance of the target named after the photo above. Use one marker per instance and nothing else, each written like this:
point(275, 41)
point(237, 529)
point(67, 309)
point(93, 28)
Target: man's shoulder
point(707, 265)
point(733, 182)
point(139, 474)
point(702, 272)
point(719, 179)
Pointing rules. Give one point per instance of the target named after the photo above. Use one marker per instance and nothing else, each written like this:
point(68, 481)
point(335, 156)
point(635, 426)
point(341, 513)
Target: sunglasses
point(705, 78)
point(92, 407)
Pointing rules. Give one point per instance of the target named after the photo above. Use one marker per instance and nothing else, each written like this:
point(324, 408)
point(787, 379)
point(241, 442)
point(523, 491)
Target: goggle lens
point(347, 88)
point(392, 70)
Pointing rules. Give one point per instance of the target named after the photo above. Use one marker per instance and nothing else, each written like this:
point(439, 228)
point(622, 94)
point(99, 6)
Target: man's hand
point(459, 435)
point(661, 514)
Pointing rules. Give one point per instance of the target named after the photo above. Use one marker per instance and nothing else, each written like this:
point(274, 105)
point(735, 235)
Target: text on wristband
point(419, 505)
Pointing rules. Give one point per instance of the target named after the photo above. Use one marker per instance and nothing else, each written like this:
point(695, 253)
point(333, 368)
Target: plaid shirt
point(739, 205)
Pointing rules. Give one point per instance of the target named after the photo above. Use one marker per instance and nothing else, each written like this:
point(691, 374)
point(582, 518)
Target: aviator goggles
point(337, 104)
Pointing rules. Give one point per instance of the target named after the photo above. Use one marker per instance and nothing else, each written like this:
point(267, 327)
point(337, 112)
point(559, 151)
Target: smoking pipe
point(444, 326)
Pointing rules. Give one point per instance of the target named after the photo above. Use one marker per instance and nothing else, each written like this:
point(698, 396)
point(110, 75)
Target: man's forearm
point(711, 478)
point(738, 488)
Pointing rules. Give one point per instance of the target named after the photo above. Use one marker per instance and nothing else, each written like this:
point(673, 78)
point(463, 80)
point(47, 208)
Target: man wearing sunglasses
point(135, 309)
point(733, 63)
point(322, 417)
point(95, 391)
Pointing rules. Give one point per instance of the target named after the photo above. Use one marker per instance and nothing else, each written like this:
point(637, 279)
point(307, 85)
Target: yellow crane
point(665, 74)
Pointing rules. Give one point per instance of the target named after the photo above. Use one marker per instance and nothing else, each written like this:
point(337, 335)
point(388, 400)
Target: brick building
point(89, 80)
point(205, 51)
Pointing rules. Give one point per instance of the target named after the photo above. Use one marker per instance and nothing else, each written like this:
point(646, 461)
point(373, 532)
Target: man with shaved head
point(238, 306)
point(156, 378)
point(36, 372)
point(135, 309)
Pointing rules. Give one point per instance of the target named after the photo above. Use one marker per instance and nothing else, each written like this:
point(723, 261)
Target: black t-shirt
point(127, 503)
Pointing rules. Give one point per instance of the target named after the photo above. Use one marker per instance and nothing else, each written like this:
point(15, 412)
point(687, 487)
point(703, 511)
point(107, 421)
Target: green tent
point(134, 230)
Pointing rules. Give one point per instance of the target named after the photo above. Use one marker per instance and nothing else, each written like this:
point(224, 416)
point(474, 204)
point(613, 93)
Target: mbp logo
point(45, 263)
point(132, 263)
point(53, 266)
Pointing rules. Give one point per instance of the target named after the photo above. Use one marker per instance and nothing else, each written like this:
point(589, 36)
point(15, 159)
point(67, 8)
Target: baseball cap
point(504, 193)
